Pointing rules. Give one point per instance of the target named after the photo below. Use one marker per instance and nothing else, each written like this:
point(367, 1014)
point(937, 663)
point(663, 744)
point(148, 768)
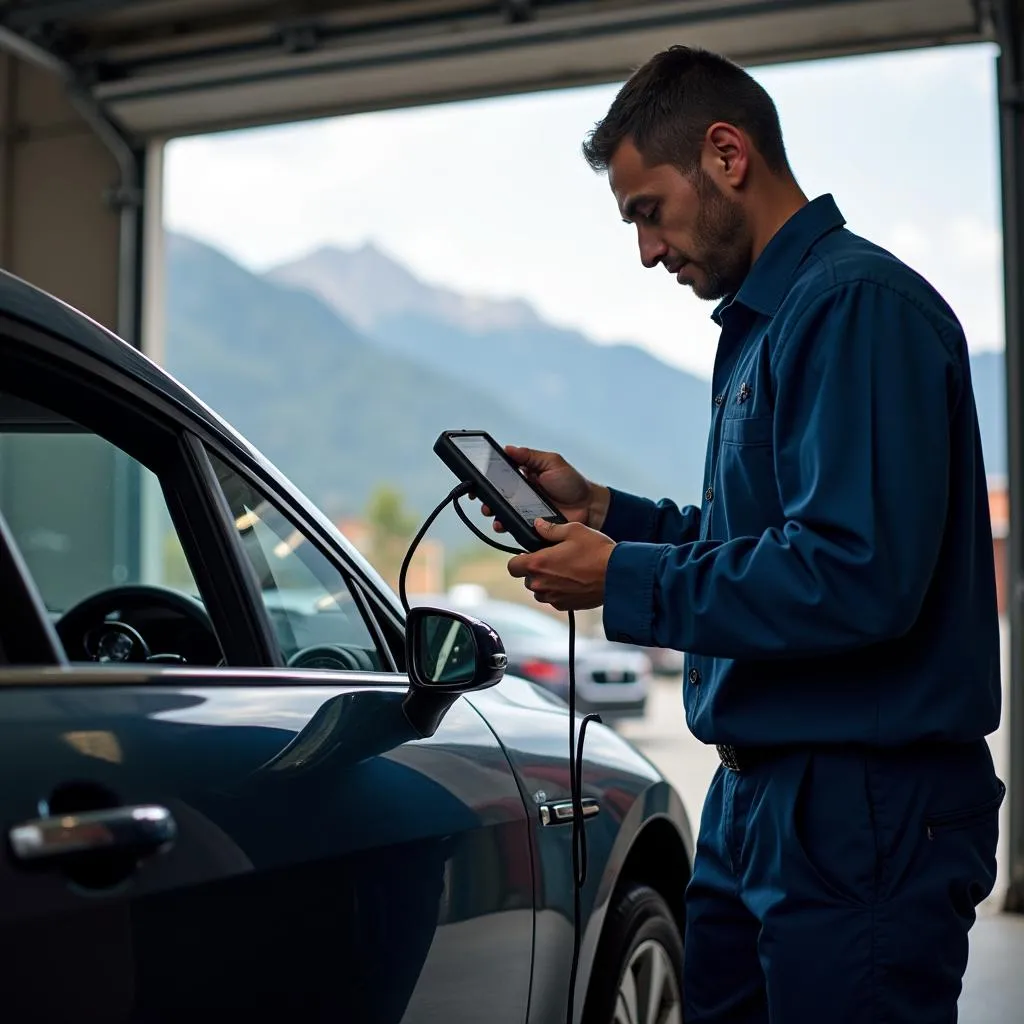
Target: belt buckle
point(729, 757)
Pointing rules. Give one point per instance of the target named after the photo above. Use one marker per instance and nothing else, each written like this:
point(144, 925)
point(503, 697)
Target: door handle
point(138, 830)
point(561, 812)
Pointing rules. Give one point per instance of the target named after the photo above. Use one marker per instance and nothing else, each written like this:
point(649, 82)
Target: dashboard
point(146, 624)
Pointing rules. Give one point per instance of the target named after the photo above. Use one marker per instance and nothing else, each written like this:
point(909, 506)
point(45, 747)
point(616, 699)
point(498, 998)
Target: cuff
point(629, 592)
point(629, 517)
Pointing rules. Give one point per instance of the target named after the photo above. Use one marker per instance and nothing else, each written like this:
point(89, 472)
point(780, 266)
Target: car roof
point(37, 308)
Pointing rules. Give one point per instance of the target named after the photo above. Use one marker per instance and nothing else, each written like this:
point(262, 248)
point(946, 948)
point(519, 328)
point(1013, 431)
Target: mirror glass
point(446, 649)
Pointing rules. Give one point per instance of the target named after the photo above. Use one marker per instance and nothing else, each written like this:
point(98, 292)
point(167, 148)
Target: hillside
point(333, 410)
point(988, 374)
point(347, 388)
point(640, 410)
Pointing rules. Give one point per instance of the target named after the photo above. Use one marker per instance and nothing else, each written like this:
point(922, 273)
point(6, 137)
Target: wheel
point(638, 970)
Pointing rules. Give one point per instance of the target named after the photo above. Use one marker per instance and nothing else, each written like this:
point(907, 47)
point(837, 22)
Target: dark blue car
point(233, 787)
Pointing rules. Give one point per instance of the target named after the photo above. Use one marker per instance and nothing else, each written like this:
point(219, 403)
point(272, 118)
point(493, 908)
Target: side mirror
point(447, 654)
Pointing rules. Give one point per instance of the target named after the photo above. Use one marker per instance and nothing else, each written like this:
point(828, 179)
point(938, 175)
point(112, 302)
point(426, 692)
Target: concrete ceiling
point(171, 67)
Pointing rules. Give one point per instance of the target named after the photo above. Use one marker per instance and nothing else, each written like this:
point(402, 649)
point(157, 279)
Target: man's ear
point(726, 155)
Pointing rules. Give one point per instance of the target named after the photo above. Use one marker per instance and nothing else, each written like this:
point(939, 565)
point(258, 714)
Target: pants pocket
point(951, 821)
point(833, 829)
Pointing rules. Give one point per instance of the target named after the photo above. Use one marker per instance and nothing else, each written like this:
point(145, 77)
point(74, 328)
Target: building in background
point(426, 572)
point(999, 511)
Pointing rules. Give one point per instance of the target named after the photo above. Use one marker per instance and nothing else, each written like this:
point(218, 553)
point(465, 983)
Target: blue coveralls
point(835, 595)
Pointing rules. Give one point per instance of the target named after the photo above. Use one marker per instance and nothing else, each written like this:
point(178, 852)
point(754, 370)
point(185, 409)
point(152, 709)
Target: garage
point(103, 85)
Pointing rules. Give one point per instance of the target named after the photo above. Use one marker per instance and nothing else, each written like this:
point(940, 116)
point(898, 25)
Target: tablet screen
point(507, 480)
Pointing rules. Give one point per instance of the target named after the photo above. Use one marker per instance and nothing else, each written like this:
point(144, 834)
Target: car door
point(253, 839)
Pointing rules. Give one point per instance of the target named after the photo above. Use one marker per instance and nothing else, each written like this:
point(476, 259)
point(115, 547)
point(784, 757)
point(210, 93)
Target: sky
point(493, 198)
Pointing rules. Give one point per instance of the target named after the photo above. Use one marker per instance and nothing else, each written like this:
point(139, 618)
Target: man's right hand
point(579, 500)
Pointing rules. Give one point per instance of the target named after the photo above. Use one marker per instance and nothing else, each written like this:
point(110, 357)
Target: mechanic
point(834, 591)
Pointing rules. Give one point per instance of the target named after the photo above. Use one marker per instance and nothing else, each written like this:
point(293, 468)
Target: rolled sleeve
point(631, 518)
point(630, 592)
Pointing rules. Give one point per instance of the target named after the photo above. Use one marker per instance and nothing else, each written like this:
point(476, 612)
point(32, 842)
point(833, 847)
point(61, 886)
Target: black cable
point(483, 536)
point(579, 832)
point(453, 495)
point(578, 838)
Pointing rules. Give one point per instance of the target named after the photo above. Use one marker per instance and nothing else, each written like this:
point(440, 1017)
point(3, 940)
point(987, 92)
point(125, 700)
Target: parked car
point(239, 783)
point(665, 661)
point(611, 679)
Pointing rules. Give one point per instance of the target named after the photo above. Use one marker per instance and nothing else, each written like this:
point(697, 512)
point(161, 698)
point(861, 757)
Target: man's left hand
point(570, 574)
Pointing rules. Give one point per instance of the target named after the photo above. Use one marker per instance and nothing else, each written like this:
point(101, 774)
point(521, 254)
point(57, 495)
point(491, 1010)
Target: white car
point(611, 679)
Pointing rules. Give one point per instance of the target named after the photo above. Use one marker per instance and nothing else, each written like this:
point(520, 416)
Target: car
point(665, 661)
point(240, 782)
point(611, 679)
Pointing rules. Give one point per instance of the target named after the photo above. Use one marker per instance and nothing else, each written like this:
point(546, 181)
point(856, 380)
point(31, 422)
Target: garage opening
point(344, 289)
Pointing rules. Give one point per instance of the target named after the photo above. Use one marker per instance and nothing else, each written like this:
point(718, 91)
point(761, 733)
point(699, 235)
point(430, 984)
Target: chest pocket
point(748, 430)
point(748, 498)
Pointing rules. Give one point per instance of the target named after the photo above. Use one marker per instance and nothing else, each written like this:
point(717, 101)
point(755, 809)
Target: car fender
point(658, 809)
point(634, 798)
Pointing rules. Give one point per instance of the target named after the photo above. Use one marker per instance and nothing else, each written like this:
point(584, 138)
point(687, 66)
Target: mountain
point(638, 409)
point(367, 286)
point(335, 411)
point(344, 400)
point(988, 375)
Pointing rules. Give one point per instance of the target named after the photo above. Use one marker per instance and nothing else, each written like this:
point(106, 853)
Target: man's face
point(685, 223)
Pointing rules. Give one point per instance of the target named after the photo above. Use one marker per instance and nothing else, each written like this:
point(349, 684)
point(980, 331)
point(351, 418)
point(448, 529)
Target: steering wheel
point(86, 619)
point(333, 657)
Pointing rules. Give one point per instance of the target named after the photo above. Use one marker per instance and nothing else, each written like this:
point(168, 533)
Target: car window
point(318, 622)
point(72, 501)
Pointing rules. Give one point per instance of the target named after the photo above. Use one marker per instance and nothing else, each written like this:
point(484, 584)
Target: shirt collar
point(766, 283)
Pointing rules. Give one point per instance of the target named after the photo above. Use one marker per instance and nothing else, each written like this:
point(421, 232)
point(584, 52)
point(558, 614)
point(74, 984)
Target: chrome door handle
point(561, 812)
point(142, 829)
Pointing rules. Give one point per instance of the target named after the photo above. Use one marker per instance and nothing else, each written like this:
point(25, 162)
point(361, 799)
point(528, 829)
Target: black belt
point(742, 759)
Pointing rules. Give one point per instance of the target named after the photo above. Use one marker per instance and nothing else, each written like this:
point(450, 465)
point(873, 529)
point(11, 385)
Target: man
point(834, 591)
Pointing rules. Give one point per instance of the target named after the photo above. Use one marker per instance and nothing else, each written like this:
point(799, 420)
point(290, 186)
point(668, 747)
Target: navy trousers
point(838, 887)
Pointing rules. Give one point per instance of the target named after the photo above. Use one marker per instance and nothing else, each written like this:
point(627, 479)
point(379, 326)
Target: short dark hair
point(668, 105)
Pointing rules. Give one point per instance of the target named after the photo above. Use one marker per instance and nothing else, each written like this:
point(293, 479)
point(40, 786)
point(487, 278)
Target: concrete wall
point(60, 231)
point(57, 228)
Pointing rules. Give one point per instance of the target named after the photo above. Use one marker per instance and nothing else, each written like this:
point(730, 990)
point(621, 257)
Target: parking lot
point(994, 986)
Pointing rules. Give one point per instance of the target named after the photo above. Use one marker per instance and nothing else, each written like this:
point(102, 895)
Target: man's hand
point(570, 574)
point(577, 498)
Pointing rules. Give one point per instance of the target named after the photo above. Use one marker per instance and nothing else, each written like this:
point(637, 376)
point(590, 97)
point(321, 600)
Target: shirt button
point(709, 494)
point(695, 676)
point(719, 399)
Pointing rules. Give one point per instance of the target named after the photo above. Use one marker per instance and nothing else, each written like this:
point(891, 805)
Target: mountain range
point(343, 367)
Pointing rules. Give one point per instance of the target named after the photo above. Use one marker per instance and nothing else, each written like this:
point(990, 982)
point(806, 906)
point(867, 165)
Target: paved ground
point(994, 987)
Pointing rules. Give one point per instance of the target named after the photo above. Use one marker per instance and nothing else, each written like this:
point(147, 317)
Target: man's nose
point(652, 248)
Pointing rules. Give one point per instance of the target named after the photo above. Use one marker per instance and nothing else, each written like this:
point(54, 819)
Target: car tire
point(639, 927)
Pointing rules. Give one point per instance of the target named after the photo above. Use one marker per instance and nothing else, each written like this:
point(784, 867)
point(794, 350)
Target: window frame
point(24, 626)
point(301, 523)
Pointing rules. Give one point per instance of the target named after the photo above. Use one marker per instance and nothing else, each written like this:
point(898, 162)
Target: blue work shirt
point(837, 582)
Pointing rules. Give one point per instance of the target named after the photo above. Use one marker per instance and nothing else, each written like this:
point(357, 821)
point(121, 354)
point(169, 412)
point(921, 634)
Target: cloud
point(919, 72)
point(963, 259)
point(493, 197)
